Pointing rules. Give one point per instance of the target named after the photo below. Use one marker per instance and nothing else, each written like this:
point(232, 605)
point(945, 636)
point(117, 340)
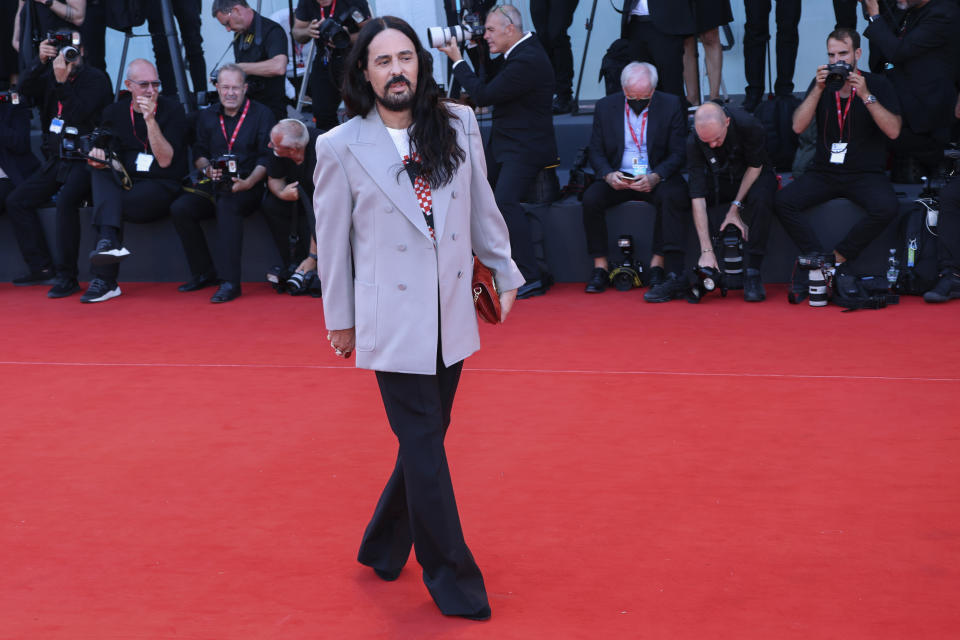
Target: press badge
point(838, 152)
point(144, 161)
point(640, 166)
point(232, 166)
point(56, 125)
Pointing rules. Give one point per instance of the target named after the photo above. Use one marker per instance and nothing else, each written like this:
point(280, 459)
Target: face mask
point(637, 106)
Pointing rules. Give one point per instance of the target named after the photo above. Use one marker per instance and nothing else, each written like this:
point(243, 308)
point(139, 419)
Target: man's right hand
point(615, 181)
point(213, 174)
point(62, 68)
point(289, 192)
point(99, 154)
point(314, 28)
point(47, 51)
point(821, 82)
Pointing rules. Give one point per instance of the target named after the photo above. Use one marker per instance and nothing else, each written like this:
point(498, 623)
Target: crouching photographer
point(71, 97)
point(288, 206)
point(135, 173)
point(231, 155)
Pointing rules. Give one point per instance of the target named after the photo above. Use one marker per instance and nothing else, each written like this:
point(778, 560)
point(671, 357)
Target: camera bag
point(919, 242)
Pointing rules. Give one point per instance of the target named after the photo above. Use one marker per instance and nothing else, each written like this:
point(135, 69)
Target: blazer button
point(453, 195)
point(401, 247)
point(453, 237)
point(402, 287)
point(388, 209)
point(459, 274)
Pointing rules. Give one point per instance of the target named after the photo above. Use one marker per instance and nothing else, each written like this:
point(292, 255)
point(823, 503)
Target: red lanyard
point(643, 127)
point(59, 109)
point(223, 127)
point(842, 119)
point(333, 7)
point(133, 125)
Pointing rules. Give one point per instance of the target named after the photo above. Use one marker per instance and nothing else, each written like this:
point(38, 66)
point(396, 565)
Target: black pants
point(663, 50)
point(870, 191)
point(511, 180)
point(845, 12)
point(187, 14)
point(6, 188)
point(229, 209)
point(669, 230)
point(948, 227)
point(70, 182)
point(278, 214)
point(757, 213)
point(551, 20)
point(756, 34)
point(325, 79)
point(147, 201)
point(417, 506)
point(93, 35)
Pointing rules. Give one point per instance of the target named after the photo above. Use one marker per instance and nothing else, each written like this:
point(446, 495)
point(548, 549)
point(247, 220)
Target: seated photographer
point(38, 18)
point(948, 246)
point(332, 44)
point(146, 132)
point(260, 49)
point(856, 113)
point(637, 147)
point(71, 96)
point(17, 162)
point(290, 193)
point(231, 153)
point(727, 162)
point(914, 49)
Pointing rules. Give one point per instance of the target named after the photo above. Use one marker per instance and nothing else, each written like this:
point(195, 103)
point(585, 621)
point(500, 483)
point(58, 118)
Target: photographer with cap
point(727, 162)
point(146, 133)
point(37, 18)
point(71, 96)
point(857, 114)
point(260, 49)
point(326, 75)
point(232, 155)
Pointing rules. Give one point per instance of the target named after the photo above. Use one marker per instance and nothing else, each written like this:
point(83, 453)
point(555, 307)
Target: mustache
point(396, 80)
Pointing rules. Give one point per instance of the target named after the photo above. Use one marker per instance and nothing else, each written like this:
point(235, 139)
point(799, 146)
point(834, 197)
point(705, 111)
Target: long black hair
point(432, 134)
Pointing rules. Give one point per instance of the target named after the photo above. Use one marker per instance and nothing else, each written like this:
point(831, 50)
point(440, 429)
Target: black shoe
point(598, 280)
point(100, 290)
point(670, 289)
point(199, 282)
point(751, 103)
point(656, 277)
point(63, 287)
point(44, 276)
point(535, 287)
point(799, 286)
point(483, 614)
point(753, 290)
point(947, 288)
point(107, 252)
point(562, 105)
point(226, 292)
point(389, 576)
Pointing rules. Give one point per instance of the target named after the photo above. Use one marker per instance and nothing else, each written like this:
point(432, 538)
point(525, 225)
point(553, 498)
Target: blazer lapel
point(375, 151)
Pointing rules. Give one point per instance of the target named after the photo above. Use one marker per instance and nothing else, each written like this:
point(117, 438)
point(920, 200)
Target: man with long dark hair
point(401, 199)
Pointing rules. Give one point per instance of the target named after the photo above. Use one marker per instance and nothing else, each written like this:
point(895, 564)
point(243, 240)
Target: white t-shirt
point(641, 9)
point(401, 139)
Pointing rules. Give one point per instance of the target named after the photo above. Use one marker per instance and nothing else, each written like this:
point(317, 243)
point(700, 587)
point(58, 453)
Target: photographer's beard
point(396, 101)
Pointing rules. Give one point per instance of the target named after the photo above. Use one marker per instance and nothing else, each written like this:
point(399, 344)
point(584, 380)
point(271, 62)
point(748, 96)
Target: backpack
point(123, 15)
point(918, 250)
point(580, 178)
point(776, 115)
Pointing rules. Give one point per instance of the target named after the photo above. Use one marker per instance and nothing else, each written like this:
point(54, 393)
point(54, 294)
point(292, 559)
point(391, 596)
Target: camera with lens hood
point(626, 273)
point(65, 42)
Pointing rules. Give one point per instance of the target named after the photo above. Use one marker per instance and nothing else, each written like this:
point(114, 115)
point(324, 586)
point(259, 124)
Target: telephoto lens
point(818, 288)
point(295, 282)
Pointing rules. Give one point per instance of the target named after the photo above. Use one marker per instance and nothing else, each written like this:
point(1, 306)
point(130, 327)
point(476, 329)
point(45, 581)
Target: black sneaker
point(753, 290)
point(670, 289)
point(100, 290)
point(107, 252)
point(44, 276)
point(947, 288)
point(598, 280)
point(64, 286)
point(656, 276)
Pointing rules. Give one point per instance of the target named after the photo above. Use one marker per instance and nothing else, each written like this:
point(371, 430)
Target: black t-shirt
point(269, 91)
point(743, 147)
point(293, 172)
point(866, 143)
point(130, 141)
point(308, 10)
point(250, 146)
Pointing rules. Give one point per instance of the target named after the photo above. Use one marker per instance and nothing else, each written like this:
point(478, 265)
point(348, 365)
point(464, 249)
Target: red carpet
point(176, 469)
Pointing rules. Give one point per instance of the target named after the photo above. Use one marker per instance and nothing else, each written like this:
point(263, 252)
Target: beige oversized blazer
point(378, 266)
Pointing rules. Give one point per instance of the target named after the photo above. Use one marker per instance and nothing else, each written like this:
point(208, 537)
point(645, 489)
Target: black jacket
point(923, 60)
point(522, 97)
point(742, 148)
point(16, 159)
point(250, 146)
point(666, 135)
point(669, 16)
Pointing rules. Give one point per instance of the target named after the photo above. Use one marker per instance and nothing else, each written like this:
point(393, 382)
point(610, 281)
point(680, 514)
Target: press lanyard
point(59, 109)
point(643, 127)
point(133, 125)
point(333, 8)
point(223, 127)
point(842, 119)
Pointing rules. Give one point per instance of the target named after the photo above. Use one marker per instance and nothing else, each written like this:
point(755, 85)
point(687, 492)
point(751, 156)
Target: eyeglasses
point(147, 83)
point(504, 12)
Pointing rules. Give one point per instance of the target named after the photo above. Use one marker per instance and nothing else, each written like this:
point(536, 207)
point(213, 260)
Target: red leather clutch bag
point(485, 295)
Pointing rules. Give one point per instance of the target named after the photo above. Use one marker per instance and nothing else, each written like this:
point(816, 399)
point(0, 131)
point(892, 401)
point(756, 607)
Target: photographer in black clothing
point(71, 97)
point(727, 162)
point(17, 162)
point(146, 137)
point(326, 76)
point(37, 18)
point(948, 246)
point(290, 193)
point(260, 49)
point(856, 117)
point(231, 153)
point(187, 14)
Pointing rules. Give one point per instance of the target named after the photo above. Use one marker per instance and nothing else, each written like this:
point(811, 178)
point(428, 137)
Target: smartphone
point(628, 177)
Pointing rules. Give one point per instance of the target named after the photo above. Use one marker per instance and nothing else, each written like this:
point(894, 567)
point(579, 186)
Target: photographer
point(71, 97)
point(290, 193)
point(260, 50)
point(856, 113)
point(948, 246)
point(36, 18)
point(231, 153)
point(326, 76)
point(146, 132)
point(727, 162)
point(16, 160)
point(522, 141)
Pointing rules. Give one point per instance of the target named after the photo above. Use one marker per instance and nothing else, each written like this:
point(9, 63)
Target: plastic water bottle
point(892, 271)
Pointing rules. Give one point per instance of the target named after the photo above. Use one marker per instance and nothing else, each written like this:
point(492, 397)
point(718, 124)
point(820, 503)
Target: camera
point(471, 27)
point(820, 268)
point(838, 72)
point(731, 257)
point(77, 147)
point(627, 273)
point(66, 42)
point(705, 280)
point(11, 97)
point(228, 166)
point(296, 283)
point(440, 36)
point(336, 33)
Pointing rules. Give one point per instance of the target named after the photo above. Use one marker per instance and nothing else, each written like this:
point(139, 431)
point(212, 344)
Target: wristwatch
point(738, 205)
point(873, 18)
point(870, 99)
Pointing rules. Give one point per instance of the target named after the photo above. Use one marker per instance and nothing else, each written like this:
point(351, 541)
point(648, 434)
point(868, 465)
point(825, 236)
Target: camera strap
point(236, 130)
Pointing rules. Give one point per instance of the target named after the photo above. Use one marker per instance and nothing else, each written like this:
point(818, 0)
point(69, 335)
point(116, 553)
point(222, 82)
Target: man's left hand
point(646, 183)
point(99, 154)
point(240, 184)
point(452, 49)
point(733, 217)
point(507, 298)
point(870, 7)
point(147, 107)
